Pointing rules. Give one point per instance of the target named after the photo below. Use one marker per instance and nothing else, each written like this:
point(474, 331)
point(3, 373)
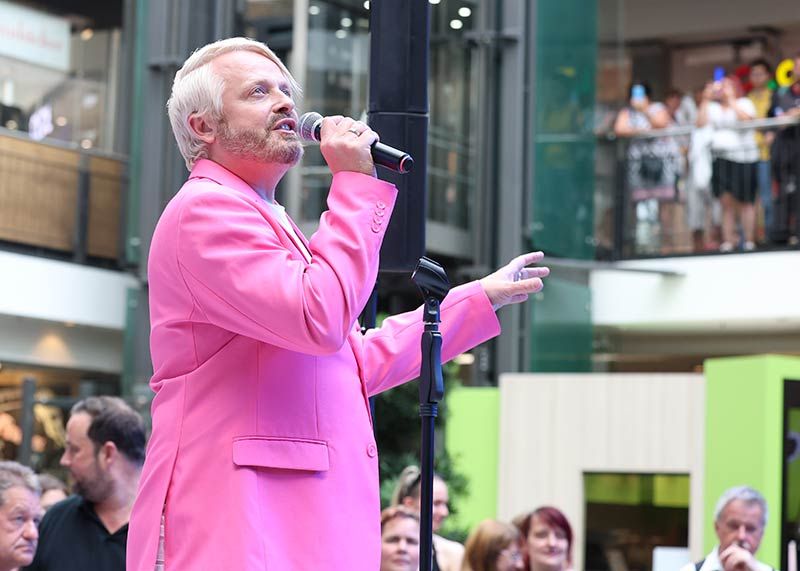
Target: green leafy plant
point(398, 432)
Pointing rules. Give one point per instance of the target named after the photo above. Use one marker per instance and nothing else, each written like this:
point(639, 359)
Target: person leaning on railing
point(734, 170)
point(786, 161)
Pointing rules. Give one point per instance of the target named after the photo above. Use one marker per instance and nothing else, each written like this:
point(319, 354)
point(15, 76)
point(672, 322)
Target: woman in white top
point(734, 177)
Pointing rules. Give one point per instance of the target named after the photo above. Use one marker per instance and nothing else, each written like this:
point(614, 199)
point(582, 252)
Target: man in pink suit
point(262, 455)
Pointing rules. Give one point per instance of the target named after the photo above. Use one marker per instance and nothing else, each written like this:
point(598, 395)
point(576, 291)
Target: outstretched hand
point(514, 282)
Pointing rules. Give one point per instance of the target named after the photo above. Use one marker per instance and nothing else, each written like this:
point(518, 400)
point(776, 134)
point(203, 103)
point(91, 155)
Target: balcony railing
point(686, 190)
point(61, 200)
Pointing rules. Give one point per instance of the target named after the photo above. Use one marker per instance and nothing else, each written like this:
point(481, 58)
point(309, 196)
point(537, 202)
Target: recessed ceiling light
point(346, 22)
point(456, 24)
point(464, 12)
point(313, 10)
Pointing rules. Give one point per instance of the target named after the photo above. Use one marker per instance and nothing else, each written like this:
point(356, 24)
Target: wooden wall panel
point(106, 177)
point(38, 189)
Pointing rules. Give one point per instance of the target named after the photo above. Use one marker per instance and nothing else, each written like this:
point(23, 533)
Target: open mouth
point(288, 125)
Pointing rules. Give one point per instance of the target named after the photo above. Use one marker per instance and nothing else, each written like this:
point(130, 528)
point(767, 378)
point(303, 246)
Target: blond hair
point(198, 89)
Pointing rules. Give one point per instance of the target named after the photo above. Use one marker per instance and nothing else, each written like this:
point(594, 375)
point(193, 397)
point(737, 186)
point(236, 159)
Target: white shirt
point(712, 563)
point(738, 145)
point(283, 218)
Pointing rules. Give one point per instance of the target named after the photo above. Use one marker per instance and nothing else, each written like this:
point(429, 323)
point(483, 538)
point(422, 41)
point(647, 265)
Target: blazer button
point(372, 451)
point(381, 205)
point(376, 228)
point(377, 221)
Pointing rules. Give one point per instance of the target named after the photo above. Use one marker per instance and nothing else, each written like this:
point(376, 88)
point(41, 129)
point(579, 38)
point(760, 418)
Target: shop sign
point(34, 37)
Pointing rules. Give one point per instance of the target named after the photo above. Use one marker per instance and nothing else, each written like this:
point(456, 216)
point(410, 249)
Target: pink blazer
point(262, 455)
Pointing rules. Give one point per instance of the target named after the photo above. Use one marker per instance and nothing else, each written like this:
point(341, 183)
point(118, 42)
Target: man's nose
point(741, 533)
point(30, 531)
point(64, 460)
point(285, 104)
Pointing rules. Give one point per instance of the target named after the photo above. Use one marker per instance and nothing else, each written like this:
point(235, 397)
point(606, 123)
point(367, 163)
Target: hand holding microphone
point(335, 136)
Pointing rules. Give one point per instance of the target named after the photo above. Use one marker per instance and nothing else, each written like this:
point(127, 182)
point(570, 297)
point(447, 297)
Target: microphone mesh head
point(308, 126)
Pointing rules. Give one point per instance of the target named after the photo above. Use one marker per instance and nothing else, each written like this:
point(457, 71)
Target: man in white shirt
point(739, 521)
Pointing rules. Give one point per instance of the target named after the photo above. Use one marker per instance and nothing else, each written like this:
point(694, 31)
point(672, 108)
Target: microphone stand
point(431, 280)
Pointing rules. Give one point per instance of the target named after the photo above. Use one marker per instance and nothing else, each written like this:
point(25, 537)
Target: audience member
point(53, 491)
point(681, 107)
point(447, 554)
point(104, 455)
point(734, 171)
point(761, 96)
point(19, 515)
point(547, 537)
point(493, 546)
point(653, 165)
point(786, 161)
point(399, 539)
point(739, 521)
point(702, 209)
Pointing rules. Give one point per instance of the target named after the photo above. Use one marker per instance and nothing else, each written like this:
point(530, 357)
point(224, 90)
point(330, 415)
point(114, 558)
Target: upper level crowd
point(716, 169)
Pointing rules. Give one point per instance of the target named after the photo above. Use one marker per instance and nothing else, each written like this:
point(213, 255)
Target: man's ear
point(202, 127)
point(108, 453)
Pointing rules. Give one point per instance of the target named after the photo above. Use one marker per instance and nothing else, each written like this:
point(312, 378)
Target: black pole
point(432, 282)
point(28, 400)
point(398, 111)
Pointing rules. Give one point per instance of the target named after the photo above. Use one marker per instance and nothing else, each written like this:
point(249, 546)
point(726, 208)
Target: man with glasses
point(739, 521)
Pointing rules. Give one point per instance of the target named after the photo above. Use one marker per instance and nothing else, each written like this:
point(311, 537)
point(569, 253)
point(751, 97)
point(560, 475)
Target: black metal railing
point(689, 190)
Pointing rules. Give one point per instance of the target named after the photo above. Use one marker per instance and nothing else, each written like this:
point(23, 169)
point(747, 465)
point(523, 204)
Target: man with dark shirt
point(104, 454)
point(786, 162)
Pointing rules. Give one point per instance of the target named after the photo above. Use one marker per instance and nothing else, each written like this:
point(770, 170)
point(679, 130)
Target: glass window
point(58, 76)
point(629, 515)
point(451, 147)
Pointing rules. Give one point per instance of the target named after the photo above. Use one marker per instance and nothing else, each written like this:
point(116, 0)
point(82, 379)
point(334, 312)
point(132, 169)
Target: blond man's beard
point(261, 145)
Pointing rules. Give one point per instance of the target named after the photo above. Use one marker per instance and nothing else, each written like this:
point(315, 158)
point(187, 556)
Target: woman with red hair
point(547, 540)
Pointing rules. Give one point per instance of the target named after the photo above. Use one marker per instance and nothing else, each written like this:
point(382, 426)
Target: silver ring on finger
point(355, 131)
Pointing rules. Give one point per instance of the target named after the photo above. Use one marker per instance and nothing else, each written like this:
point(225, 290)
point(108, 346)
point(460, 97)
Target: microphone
point(383, 155)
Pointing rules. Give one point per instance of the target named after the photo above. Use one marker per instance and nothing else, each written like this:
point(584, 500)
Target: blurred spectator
point(681, 108)
point(104, 455)
point(493, 546)
point(734, 170)
point(653, 164)
point(786, 162)
point(53, 491)
point(447, 554)
point(399, 539)
point(739, 520)
point(547, 537)
point(761, 96)
point(19, 515)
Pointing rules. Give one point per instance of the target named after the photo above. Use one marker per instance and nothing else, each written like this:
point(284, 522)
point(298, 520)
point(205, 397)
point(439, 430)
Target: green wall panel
point(744, 437)
point(472, 439)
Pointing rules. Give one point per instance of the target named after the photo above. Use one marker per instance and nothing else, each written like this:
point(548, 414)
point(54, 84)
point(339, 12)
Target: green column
point(744, 438)
point(563, 179)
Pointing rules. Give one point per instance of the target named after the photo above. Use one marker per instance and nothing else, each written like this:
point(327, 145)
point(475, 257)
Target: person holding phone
point(652, 167)
point(734, 174)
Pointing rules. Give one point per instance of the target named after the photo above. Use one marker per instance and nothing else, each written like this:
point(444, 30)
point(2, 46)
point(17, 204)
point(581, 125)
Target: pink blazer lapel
point(205, 168)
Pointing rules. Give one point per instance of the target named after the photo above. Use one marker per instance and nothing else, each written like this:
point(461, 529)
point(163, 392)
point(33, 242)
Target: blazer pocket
point(285, 453)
